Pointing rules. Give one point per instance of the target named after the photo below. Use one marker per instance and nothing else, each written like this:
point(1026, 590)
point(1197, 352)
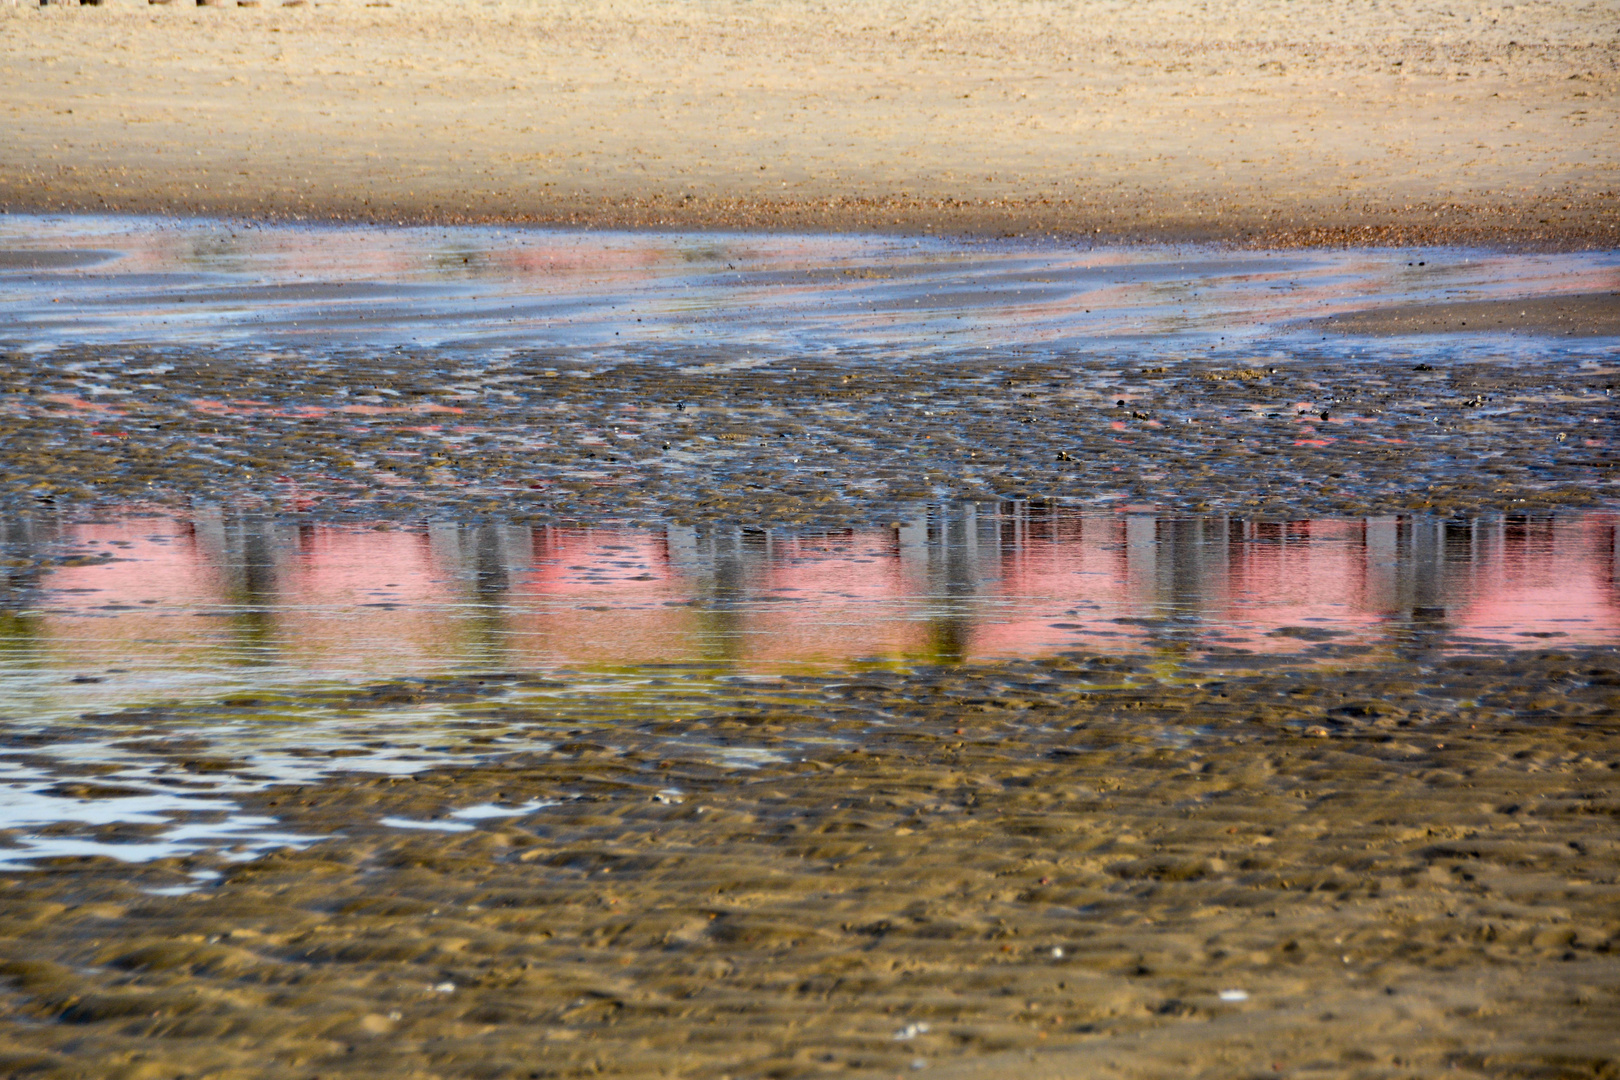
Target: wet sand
point(1396, 862)
point(1067, 868)
point(826, 442)
point(1272, 124)
point(1586, 315)
point(760, 298)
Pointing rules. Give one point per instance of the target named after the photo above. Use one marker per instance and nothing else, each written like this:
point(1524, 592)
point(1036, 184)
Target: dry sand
point(1267, 122)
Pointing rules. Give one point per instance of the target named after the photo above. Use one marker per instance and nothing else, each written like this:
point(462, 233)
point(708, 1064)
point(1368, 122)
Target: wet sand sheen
point(1582, 315)
point(1232, 875)
point(764, 380)
point(861, 437)
point(120, 280)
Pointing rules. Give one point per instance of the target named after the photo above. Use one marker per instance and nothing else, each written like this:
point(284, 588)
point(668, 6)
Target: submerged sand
point(1399, 864)
point(1265, 122)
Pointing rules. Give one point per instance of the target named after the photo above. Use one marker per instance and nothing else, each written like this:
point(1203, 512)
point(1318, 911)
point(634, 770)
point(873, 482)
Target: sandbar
point(1579, 315)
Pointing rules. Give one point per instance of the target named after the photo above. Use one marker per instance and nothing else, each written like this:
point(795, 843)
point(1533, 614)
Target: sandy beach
point(1264, 123)
point(1059, 658)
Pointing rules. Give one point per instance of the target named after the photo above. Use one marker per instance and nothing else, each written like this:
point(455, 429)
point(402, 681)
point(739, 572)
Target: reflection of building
point(956, 582)
point(23, 541)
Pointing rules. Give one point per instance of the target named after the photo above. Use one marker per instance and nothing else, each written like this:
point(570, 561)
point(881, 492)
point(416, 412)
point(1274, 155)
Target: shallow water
point(113, 625)
point(602, 295)
point(109, 610)
point(259, 384)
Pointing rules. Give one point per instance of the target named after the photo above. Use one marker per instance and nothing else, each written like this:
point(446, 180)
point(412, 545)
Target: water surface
point(122, 602)
point(199, 282)
point(157, 666)
point(152, 666)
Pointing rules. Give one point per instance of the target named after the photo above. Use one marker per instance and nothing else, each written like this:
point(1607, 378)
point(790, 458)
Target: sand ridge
point(1578, 315)
point(1266, 122)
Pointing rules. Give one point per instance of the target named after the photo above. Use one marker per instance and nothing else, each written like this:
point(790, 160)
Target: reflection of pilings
point(487, 560)
point(1438, 564)
point(720, 565)
point(1426, 608)
point(1525, 538)
point(256, 571)
point(1190, 565)
point(681, 549)
point(950, 580)
point(24, 541)
point(912, 548)
point(1025, 522)
point(495, 557)
point(1611, 550)
point(1178, 568)
point(1410, 567)
point(1381, 564)
point(247, 554)
point(1142, 557)
point(962, 550)
point(965, 550)
point(488, 557)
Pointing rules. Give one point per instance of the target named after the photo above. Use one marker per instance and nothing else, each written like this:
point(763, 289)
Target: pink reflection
point(336, 594)
point(122, 611)
point(823, 593)
point(961, 585)
point(1068, 578)
point(1555, 578)
point(599, 597)
point(1305, 574)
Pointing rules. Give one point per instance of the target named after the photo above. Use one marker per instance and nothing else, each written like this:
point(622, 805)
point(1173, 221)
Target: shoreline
point(1517, 229)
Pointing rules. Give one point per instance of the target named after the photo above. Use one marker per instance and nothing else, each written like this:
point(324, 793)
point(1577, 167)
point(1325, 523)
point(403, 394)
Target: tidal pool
point(740, 654)
point(284, 503)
